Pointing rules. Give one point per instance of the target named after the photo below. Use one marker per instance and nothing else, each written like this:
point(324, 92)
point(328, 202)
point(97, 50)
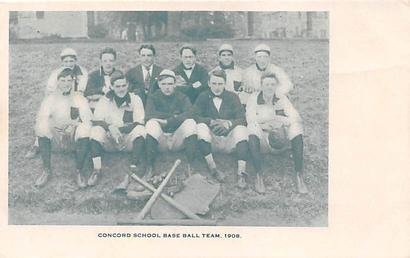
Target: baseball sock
point(96, 152)
point(151, 146)
point(190, 147)
point(255, 150)
point(44, 144)
point(297, 152)
point(81, 151)
point(205, 147)
point(138, 146)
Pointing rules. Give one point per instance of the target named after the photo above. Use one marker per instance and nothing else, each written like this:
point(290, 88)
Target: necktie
point(147, 81)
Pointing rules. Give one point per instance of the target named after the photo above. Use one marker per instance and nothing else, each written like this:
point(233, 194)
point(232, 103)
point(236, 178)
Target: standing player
point(192, 78)
point(252, 74)
point(169, 126)
point(143, 78)
point(272, 122)
point(233, 72)
point(68, 61)
point(64, 120)
point(99, 81)
point(118, 125)
point(221, 125)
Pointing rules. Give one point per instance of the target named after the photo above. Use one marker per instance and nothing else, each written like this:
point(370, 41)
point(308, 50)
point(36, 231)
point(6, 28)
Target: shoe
point(219, 175)
point(32, 152)
point(93, 179)
point(242, 181)
point(259, 185)
point(300, 184)
point(123, 185)
point(80, 180)
point(43, 179)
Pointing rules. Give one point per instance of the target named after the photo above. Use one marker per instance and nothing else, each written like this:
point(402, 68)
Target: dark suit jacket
point(135, 78)
point(204, 109)
point(95, 83)
point(198, 74)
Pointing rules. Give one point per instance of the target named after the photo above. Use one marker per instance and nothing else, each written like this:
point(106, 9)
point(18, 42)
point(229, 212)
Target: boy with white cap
point(273, 122)
point(64, 121)
point(221, 125)
point(118, 125)
point(170, 125)
point(233, 72)
point(252, 74)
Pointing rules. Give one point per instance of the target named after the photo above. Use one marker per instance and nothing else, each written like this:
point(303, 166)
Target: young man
point(69, 60)
point(170, 125)
point(221, 125)
point(272, 121)
point(118, 125)
point(64, 120)
point(99, 81)
point(192, 78)
point(143, 77)
point(233, 72)
point(252, 75)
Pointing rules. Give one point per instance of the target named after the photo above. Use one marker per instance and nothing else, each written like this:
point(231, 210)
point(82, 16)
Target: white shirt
point(217, 102)
point(189, 72)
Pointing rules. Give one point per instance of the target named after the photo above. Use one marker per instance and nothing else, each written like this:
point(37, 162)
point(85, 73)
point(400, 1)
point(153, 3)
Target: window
point(40, 15)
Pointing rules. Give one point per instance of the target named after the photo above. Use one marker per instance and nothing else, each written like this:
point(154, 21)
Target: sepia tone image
point(168, 118)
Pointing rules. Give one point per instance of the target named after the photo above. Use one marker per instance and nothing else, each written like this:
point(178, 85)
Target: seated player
point(232, 70)
point(64, 121)
point(68, 61)
point(192, 78)
point(170, 125)
point(118, 125)
point(252, 74)
point(273, 121)
point(99, 81)
point(221, 125)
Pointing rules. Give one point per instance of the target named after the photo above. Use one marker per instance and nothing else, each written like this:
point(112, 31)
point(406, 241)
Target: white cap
point(225, 47)
point(262, 47)
point(167, 73)
point(68, 52)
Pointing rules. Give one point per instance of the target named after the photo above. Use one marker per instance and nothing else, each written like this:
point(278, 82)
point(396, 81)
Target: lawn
point(60, 202)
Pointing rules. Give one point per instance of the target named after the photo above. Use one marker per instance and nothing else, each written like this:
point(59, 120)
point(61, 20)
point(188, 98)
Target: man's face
point(107, 62)
point(226, 57)
point(147, 57)
point(262, 59)
point(64, 84)
point(120, 87)
point(217, 85)
point(68, 62)
point(188, 58)
point(167, 85)
point(269, 86)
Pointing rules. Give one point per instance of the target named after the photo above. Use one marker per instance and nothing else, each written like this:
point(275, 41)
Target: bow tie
point(188, 69)
point(260, 69)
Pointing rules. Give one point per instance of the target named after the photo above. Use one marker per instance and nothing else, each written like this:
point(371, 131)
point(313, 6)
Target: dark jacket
point(175, 108)
point(135, 77)
point(231, 109)
point(198, 74)
point(95, 83)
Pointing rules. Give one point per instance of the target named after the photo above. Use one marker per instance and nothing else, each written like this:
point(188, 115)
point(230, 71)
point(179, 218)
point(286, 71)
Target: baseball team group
point(148, 109)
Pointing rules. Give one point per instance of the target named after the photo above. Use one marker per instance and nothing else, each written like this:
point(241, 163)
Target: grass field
point(60, 202)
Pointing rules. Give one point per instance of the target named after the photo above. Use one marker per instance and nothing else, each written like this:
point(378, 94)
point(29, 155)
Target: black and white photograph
point(170, 118)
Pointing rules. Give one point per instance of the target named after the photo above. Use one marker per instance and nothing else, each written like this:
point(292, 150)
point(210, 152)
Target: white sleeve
point(100, 109)
point(138, 111)
point(42, 126)
point(85, 111)
point(52, 82)
point(251, 106)
point(290, 111)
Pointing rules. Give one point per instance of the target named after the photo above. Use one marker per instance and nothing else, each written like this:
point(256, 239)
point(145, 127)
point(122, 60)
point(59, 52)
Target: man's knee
point(97, 133)
point(294, 130)
point(255, 129)
point(188, 128)
point(240, 133)
point(153, 128)
point(82, 131)
point(204, 133)
point(138, 131)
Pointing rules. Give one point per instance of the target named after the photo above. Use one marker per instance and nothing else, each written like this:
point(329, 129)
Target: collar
point(225, 67)
point(261, 101)
point(149, 69)
point(212, 95)
point(102, 73)
point(260, 69)
point(119, 101)
point(77, 70)
point(185, 69)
